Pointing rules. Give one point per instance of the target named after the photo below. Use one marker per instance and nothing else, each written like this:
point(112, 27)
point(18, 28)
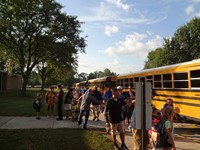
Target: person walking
point(59, 102)
point(87, 99)
point(96, 106)
point(113, 111)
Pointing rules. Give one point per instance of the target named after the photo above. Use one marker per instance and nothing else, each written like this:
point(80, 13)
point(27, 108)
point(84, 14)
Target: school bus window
point(167, 81)
point(149, 79)
point(180, 76)
point(118, 82)
point(142, 79)
point(180, 80)
point(195, 78)
point(126, 82)
point(157, 81)
point(131, 82)
point(122, 82)
point(195, 74)
point(136, 79)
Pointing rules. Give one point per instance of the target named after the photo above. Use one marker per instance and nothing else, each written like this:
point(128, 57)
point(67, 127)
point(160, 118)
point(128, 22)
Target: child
point(37, 105)
point(169, 114)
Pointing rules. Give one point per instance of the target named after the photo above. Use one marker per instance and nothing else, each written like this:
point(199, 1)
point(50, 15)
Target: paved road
point(181, 142)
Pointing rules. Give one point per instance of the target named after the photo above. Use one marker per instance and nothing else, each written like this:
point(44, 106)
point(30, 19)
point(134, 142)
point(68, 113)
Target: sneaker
point(38, 118)
point(124, 147)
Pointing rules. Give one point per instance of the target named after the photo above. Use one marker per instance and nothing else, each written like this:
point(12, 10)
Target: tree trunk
point(23, 91)
point(43, 81)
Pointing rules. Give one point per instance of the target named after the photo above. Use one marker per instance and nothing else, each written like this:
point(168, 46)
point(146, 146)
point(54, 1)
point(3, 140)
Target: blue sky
point(121, 33)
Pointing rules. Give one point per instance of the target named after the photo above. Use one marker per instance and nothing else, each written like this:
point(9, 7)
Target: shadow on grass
point(53, 139)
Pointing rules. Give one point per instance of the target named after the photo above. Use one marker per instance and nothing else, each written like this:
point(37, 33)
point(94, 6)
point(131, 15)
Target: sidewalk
point(30, 122)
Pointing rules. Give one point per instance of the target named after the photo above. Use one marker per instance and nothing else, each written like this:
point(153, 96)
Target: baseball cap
point(119, 88)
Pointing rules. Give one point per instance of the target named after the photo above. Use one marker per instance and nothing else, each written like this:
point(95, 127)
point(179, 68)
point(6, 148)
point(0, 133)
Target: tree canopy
point(183, 46)
point(37, 31)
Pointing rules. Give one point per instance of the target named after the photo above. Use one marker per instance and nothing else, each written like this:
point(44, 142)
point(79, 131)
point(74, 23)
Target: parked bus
point(101, 83)
point(180, 82)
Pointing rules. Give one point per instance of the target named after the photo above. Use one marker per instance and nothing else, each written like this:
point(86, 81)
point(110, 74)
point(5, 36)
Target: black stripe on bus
point(181, 97)
point(177, 90)
point(189, 104)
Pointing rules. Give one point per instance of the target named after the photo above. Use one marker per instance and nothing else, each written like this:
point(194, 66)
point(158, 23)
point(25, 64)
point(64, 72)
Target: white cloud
point(119, 4)
point(111, 29)
point(105, 12)
point(189, 9)
point(135, 44)
point(114, 62)
point(196, 1)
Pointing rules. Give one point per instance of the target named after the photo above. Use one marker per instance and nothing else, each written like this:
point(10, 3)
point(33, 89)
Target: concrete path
point(30, 122)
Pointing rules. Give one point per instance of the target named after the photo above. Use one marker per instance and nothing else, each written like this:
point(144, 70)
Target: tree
point(44, 70)
point(155, 58)
point(83, 76)
point(107, 72)
point(33, 79)
point(36, 31)
point(185, 45)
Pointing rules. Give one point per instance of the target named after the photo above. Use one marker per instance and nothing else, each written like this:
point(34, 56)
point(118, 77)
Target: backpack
point(163, 136)
point(37, 104)
point(34, 104)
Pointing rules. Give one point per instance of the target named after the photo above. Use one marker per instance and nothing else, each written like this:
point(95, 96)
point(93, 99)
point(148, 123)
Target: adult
point(169, 102)
point(130, 106)
point(124, 100)
point(96, 106)
point(67, 103)
point(60, 95)
point(108, 94)
point(114, 114)
point(87, 99)
point(50, 99)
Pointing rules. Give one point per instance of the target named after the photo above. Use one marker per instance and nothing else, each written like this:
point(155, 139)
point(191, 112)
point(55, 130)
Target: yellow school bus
point(103, 83)
point(180, 82)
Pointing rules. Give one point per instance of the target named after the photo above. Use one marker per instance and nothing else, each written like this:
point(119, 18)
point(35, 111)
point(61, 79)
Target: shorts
point(67, 107)
point(117, 127)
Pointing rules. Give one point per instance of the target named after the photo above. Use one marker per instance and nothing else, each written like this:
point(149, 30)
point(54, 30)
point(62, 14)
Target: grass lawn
point(53, 139)
point(12, 104)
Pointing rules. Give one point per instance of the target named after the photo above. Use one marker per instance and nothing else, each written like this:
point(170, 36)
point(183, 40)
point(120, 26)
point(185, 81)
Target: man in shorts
point(114, 114)
point(96, 106)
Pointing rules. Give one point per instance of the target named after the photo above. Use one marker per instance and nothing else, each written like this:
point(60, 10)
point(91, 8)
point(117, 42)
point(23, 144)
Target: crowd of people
point(117, 107)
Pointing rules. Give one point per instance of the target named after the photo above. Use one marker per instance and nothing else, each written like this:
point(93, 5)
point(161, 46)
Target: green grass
point(12, 104)
point(53, 139)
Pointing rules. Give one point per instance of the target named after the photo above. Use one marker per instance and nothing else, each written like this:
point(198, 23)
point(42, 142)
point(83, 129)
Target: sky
point(121, 33)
